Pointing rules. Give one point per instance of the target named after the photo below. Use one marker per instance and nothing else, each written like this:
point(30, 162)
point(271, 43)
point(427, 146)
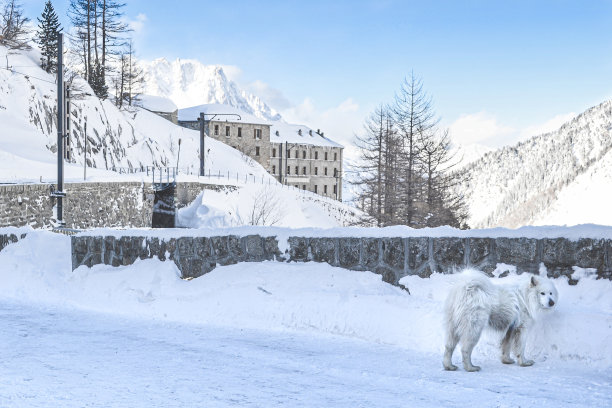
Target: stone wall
point(7, 239)
point(89, 205)
point(393, 258)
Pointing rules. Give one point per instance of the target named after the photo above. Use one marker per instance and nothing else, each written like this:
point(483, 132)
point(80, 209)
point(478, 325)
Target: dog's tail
point(470, 297)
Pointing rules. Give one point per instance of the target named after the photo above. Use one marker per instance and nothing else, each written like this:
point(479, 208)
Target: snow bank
point(306, 297)
point(572, 233)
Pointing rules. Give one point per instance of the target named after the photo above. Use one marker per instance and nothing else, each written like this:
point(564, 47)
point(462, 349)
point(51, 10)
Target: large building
point(296, 155)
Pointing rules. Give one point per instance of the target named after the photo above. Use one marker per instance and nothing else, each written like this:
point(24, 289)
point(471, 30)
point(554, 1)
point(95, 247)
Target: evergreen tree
point(96, 81)
point(46, 37)
point(13, 28)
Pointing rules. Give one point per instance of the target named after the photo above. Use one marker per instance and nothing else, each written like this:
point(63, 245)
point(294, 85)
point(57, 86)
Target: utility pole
point(204, 131)
point(85, 154)
point(202, 145)
point(61, 120)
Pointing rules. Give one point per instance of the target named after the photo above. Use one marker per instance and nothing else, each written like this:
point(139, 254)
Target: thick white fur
point(475, 302)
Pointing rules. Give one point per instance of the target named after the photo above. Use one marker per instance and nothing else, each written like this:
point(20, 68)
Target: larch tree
point(414, 114)
point(14, 31)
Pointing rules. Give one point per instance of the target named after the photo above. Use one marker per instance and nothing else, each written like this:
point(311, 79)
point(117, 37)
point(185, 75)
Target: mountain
point(561, 177)
point(189, 83)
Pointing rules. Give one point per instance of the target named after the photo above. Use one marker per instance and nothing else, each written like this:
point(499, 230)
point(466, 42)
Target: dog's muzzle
point(551, 302)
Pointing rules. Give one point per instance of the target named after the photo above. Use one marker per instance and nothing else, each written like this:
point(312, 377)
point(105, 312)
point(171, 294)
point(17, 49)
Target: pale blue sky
point(505, 66)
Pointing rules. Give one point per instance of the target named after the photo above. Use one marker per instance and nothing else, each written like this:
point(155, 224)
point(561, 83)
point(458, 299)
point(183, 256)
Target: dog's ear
point(534, 282)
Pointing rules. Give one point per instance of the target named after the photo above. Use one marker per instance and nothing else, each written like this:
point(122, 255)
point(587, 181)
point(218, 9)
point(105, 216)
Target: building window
point(216, 130)
point(239, 132)
point(325, 189)
point(316, 171)
point(296, 186)
point(303, 186)
point(325, 155)
point(316, 189)
point(325, 171)
point(288, 154)
point(335, 156)
point(256, 150)
point(256, 133)
point(335, 189)
point(297, 170)
point(227, 131)
point(288, 170)
point(304, 170)
point(316, 155)
point(273, 152)
point(273, 169)
point(303, 154)
point(335, 172)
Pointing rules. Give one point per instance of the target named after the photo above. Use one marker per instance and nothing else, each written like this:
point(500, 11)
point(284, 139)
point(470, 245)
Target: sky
point(497, 71)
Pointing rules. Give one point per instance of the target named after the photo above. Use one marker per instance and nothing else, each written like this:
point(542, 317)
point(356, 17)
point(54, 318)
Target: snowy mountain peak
point(188, 82)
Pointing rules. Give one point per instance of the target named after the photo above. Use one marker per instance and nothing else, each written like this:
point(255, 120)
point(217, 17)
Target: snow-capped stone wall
point(393, 258)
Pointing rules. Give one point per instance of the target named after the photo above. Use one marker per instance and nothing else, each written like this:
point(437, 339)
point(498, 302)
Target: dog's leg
point(451, 343)
point(505, 346)
point(519, 349)
point(469, 340)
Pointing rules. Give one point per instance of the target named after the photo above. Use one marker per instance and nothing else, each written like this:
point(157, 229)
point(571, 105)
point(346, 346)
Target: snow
point(288, 133)
point(561, 177)
point(193, 113)
point(155, 103)
point(132, 138)
point(573, 233)
point(271, 334)
point(188, 82)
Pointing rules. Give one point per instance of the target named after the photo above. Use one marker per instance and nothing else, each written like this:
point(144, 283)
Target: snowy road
point(55, 357)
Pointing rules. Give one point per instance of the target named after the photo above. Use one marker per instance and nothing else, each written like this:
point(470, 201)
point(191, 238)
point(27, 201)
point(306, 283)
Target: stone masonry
point(392, 258)
point(89, 205)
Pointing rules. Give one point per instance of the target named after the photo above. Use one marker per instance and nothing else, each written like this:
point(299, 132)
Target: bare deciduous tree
point(267, 208)
point(13, 29)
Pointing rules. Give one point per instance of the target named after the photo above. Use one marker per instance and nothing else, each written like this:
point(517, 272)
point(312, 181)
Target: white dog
point(476, 302)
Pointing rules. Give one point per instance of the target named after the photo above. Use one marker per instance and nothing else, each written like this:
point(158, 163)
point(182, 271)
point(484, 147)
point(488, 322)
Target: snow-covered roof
point(192, 114)
point(156, 103)
point(289, 133)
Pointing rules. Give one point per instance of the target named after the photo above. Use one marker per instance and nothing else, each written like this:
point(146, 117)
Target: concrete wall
point(89, 205)
point(393, 258)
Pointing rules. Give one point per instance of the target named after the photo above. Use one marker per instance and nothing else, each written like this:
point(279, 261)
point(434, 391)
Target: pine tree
point(13, 27)
point(96, 81)
point(46, 37)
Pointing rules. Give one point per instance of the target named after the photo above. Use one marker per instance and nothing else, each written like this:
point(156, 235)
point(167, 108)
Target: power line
point(27, 75)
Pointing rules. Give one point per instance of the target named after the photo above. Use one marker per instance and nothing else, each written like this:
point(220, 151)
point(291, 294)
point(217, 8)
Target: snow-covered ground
point(271, 334)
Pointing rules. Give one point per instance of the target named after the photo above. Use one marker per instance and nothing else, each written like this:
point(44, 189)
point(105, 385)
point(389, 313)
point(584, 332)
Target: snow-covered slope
point(190, 83)
point(130, 138)
point(562, 177)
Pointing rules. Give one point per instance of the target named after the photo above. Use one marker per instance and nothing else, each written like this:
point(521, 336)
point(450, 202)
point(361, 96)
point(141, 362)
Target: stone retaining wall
point(89, 205)
point(6, 239)
point(393, 258)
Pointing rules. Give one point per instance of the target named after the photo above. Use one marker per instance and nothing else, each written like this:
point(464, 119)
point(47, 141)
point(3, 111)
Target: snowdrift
point(306, 297)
